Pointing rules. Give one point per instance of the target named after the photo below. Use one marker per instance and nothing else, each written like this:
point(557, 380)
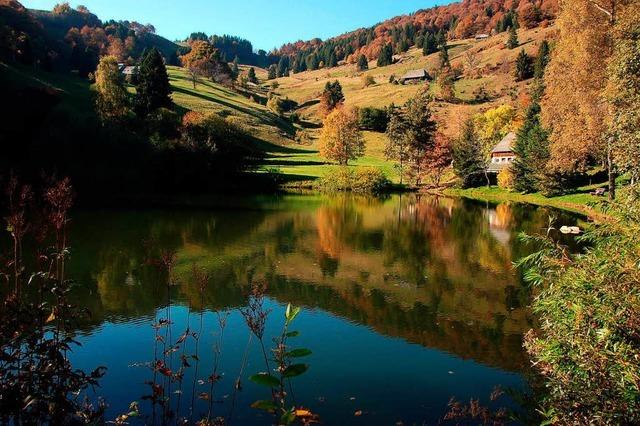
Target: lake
point(407, 302)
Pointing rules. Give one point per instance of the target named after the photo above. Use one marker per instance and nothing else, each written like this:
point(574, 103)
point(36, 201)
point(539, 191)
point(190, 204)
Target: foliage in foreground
point(588, 346)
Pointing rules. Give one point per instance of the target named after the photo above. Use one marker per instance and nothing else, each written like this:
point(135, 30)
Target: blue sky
point(266, 23)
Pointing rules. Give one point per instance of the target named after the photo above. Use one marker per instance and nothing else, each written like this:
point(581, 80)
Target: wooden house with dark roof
point(415, 76)
point(502, 154)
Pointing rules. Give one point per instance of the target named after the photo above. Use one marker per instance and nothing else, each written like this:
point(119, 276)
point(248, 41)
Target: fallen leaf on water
point(303, 413)
point(358, 413)
point(52, 317)
point(204, 396)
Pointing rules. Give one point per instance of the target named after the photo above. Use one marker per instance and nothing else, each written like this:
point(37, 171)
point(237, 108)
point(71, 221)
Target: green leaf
point(265, 405)
point(295, 370)
point(293, 334)
point(299, 353)
point(287, 313)
point(291, 313)
point(265, 379)
point(288, 417)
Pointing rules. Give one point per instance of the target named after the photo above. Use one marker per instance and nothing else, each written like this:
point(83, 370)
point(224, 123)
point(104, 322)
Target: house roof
point(415, 74)
point(506, 144)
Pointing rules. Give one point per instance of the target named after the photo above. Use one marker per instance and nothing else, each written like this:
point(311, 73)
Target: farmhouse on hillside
point(502, 154)
point(415, 76)
point(482, 36)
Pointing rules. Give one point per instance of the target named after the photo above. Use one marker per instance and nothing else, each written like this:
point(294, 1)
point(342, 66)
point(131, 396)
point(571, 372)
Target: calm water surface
point(407, 302)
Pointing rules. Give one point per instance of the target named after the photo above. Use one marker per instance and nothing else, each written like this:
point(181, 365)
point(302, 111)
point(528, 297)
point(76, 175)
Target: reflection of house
point(502, 154)
point(499, 221)
point(415, 76)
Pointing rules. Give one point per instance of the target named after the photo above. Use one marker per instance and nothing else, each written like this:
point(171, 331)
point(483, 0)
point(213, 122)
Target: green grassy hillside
point(300, 160)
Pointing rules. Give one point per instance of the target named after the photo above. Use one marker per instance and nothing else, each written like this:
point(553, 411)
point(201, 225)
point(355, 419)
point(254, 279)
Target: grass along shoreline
point(581, 202)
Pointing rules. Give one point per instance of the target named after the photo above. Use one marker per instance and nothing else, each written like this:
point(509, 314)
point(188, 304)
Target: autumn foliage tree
point(112, 101)
point(573, 106)
point(623, 92)
point(204, 60)
point(438, 159)
point(341, 140)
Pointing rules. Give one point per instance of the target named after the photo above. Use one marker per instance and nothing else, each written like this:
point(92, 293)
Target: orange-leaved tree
point(341, 139)
point(574, 106)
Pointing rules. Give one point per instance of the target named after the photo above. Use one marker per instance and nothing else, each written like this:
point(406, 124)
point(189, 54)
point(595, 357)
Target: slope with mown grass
point(495, 65)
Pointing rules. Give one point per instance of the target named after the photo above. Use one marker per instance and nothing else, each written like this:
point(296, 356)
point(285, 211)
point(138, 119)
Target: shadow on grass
point(263, 117)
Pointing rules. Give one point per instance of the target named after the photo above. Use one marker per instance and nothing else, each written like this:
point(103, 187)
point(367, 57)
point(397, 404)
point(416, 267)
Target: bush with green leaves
point(588, 346)
point(361, 180)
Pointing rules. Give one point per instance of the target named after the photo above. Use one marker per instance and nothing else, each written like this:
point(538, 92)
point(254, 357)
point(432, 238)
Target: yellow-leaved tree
point(341, 139)
point(574, 107)
point(112, 102)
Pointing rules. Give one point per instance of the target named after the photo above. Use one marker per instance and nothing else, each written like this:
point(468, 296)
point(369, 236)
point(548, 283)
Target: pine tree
point(273, 72)
point(468, 162)
point(524, 68)
point(235, 71)
point(363, 63)
point(444, 56)
point(283, 67)
point(331, 97)
point(430, 45)
point(251, 75)
point(532, 153)
point(153, 89)
point(386, 56)
point(542, 59)
point(512, 41)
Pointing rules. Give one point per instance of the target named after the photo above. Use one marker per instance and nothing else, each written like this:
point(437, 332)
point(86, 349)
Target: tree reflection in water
point(433, 271)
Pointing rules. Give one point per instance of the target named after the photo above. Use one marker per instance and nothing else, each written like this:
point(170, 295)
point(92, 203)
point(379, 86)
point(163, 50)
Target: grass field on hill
point(298, 162)
point(493, 58)
point(276, 135)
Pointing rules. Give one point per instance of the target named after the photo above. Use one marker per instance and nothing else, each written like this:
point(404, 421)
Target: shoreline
point(574, 203)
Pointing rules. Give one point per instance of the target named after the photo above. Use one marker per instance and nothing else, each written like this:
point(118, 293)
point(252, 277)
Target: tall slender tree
point(512, 40)
point(468, 159)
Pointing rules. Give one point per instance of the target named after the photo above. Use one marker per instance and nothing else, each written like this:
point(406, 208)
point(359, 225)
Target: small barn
point(415, 76)
point(482, 36)
point(502, 154)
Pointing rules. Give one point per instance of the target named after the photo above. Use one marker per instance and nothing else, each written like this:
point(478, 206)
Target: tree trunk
point(612, 175)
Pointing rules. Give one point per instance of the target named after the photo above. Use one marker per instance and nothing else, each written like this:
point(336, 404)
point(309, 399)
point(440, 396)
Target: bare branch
point(601, 8)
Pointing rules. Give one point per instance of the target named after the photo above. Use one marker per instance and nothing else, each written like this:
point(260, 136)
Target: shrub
point(505, 179)
point(361, 180)
point(164, 123)
point(276, 105)
point(589, 307)
point(368, 80)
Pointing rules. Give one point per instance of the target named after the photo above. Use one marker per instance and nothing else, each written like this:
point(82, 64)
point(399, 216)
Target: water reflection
point(432, 271)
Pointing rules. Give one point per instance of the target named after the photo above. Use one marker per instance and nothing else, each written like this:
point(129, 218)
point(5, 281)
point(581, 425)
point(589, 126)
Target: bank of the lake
point(581, 202)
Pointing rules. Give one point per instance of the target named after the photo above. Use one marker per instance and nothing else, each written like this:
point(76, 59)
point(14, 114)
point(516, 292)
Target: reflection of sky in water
point(407, 302)
point(387, 378)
